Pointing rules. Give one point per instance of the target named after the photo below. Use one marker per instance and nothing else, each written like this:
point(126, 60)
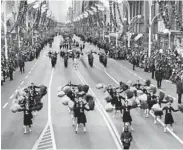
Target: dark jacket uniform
point(126, 138)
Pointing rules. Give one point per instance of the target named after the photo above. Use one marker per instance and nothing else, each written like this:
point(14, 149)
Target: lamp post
point(150, 31)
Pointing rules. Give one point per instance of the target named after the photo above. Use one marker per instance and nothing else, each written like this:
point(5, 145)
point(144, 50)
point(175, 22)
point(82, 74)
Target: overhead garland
point(164, 14)
point(111, 15)
point(114, 9)
point(176, 16)
point(20, 18)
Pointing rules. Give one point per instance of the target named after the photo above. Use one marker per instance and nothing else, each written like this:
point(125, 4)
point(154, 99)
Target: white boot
point(25, 129)
point(155, 121)
point(84, 129)
point(69, 110)
point(131, 128)
point(73, 122)
point(76, 131)
point(164, 129)
point(147, 113)
point(171, 128)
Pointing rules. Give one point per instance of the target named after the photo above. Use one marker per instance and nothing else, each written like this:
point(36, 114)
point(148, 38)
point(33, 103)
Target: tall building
point(70, 14)
point(77, 8)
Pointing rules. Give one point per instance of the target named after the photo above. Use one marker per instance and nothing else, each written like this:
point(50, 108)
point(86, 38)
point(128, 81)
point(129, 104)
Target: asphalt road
point(99, 134)
point(146, 134)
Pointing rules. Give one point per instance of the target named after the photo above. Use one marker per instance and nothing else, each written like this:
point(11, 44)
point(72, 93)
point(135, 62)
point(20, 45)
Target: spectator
point(179, 85)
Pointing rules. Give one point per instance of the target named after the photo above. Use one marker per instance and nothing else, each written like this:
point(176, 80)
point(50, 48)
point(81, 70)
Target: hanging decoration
point(111, 15)
point(178, 22)
point(114, 9)
point(36, 24)
point(164, 13)
point(124, 26)
point(21, 13)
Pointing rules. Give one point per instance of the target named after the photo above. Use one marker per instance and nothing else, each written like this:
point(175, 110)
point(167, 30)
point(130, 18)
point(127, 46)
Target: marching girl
point(111, 91)
point(118, 103)
point(75, 109)
point(70, 85)
point(168, 116)
point(71, 95)
point(81, 117)
point(126, 114)
point(32, 90)
point(158, 113)
point(27, 117)
point(151, 100)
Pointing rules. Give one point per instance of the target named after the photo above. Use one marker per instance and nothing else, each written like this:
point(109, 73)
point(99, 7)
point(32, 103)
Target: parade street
point(103, 130)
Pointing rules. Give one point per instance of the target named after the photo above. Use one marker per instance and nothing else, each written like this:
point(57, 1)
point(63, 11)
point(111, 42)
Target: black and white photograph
point(91, 74)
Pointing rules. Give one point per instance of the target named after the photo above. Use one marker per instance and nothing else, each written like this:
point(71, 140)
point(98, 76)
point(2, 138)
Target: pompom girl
point(168, 116)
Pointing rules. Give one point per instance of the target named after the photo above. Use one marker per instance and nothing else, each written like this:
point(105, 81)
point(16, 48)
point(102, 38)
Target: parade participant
point(118, 103)
point(53, 60)
point(70, 85)
point(126, 114)
point(81, 118)
point(76, 59)
point(110, 90)
point(151, 100)
point(27, 117)
point(168, 116)
point(32, 89)
point(134, 62)
point(81, 48)
point(137, 85)
point(66, 60)
point(126, 137)
point(75, 109)
point(158, 113)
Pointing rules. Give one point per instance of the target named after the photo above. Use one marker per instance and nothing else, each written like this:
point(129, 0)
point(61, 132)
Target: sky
point(60, 8)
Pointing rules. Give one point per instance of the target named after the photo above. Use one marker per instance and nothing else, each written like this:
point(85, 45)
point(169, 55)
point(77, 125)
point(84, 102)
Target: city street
point(103, 130)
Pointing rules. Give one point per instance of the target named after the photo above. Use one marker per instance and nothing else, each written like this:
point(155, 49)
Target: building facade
point(70, 14)
point(130, 9)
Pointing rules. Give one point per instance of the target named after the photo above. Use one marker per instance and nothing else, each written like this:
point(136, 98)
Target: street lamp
point(150, 28)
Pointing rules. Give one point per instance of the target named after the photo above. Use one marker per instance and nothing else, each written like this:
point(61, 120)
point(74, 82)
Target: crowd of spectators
point(18, 57)
point(170, 62)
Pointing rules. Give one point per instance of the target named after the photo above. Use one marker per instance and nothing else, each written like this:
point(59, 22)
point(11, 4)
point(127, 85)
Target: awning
point(138, 37)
